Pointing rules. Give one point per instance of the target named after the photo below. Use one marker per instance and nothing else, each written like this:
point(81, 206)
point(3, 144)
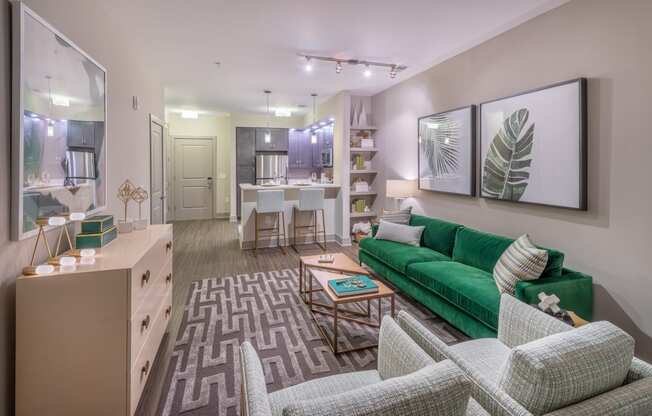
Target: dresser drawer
point(142, 366)
point(141, 322)
point(145, 272)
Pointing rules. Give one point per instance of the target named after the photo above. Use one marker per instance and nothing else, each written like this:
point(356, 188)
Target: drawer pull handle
point(168, 278)
point(168, 246)
point(168, 310)
point(144, 370)
point(145, 278)
point(145, 324)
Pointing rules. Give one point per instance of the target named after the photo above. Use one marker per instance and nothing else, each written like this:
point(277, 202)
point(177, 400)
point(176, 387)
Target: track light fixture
point(394, 69)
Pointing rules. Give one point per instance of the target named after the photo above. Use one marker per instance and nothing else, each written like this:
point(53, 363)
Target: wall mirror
point(59, 125)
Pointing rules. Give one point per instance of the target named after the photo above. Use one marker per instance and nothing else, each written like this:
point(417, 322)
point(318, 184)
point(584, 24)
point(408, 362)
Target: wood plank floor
point(210, 248)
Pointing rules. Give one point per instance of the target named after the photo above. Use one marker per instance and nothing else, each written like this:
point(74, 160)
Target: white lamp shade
point(400, 188)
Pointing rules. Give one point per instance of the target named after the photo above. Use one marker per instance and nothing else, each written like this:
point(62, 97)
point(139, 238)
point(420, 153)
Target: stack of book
point(353, 285)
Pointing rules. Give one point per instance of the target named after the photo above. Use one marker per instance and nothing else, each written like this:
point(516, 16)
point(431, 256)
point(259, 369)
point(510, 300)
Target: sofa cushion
point(399, 233)
point(397, 255)
point(472, 290)
point(566, 368)
point(482, 250)
point(439, 235)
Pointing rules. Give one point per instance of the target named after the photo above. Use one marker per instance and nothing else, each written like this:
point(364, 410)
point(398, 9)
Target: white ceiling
point(257, 43)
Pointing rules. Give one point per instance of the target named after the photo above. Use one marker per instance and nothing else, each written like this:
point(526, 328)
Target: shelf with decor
point(367, 214)
point(363, 173)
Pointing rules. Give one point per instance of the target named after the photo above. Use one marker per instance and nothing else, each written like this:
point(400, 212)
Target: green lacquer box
point(96, 240)
point(97, 224)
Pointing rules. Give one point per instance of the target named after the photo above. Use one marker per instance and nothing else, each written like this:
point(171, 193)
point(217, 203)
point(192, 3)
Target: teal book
point(353, 285)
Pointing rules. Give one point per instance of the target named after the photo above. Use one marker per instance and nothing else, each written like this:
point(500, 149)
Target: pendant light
point(313, 137)
point(268, 133)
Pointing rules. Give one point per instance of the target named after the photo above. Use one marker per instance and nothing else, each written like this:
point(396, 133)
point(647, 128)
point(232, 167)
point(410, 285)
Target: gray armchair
point(408, 382)
point(541, 366)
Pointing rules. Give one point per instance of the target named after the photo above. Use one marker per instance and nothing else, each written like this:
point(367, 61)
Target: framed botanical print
point(533, 146)
point(447, 152)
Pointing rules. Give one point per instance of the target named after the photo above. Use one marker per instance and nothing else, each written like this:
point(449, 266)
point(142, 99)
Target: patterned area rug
point(265, 309)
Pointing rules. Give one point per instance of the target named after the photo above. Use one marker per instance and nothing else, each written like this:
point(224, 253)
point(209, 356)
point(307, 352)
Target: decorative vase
point(354, 116)
point(125, 226)
point(140, 224)
point(362, 116)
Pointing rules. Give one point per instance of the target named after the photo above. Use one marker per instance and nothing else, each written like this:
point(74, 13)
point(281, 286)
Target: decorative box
point(361, 186)
point(366, 143)
point(96, 240)
point(97, 224)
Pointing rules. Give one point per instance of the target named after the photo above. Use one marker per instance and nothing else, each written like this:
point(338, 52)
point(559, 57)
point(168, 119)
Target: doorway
point(194, 167)
point(157, 184)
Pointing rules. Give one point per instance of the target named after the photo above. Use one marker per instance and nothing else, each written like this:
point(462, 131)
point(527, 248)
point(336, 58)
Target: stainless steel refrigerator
point(271, 168)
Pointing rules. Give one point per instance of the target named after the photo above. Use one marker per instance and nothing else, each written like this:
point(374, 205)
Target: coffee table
point(343, 264)
point(322, 277)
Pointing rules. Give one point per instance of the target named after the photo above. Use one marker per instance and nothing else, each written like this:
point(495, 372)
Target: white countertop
point(250, 187)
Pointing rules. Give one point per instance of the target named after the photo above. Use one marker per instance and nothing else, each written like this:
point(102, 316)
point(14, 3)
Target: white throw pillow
point(521, 261)
point(401, 216)
point(399, 233)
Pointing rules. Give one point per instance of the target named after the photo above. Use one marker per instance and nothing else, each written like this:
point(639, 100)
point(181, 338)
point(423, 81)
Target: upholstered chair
point(542, 366)
point(407, 382)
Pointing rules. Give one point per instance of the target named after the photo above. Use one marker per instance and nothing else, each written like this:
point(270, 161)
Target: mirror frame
point(19, 12)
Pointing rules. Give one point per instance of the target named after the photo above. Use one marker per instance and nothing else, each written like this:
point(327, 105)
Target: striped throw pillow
point(521, 261)
point(401, 216)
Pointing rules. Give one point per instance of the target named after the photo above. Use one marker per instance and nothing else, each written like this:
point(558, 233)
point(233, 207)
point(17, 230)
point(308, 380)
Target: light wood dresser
point(86, 339)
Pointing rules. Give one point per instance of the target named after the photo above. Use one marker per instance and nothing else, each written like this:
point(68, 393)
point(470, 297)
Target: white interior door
point(193, 178)
point(157, 171)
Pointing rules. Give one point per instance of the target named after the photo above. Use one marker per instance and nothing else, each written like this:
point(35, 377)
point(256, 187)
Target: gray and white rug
point(265, 309)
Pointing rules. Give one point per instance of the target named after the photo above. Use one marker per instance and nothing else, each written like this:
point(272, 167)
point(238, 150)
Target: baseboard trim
point(344, 242)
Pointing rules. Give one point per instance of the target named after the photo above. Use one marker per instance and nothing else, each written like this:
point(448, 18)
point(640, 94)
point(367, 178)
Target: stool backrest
point(311, 199)
point(270, 201)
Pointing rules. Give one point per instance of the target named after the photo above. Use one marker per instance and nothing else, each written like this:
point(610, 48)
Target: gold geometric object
point(31, 269)
point(139, 195)
point(124, 194)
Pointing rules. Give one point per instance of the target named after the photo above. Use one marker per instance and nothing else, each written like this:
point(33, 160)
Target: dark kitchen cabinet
point(300, 153)
point(278, 140)
point(82, 133)
point(245, 171)
point(245, 138)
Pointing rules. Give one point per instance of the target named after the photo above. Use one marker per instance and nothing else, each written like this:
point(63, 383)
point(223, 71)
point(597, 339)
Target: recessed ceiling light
point(308, 66)
point(322, 123)
point(338, 67)
point(367, 71)
point(193, 115)
point(283, 112)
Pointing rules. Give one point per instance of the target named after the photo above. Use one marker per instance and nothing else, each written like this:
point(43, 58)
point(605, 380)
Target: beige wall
point(254, 120)
point(609, 43)
point(208, 125)
point(84, 22)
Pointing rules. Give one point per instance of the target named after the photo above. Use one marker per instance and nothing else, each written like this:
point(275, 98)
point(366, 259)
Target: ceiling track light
point(394, 68)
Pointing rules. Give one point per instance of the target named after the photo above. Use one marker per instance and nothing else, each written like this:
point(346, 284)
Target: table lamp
point(400, 189)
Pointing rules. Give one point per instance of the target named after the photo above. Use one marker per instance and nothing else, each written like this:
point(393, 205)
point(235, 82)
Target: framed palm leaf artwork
point(447, 151)
point(533, 146)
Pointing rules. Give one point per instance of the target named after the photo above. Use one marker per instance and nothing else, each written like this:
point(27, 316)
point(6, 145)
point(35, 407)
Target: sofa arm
point(398, 354)
point(631, 399)
point(255, 401)
point(574, 289)
point(429, 342)
point(519, 323)
point(439, 389)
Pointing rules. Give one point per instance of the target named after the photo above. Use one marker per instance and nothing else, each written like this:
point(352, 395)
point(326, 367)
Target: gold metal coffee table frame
point(338, 313)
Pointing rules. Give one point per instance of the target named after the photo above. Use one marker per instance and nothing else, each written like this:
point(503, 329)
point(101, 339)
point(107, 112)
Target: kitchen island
point(248, 204)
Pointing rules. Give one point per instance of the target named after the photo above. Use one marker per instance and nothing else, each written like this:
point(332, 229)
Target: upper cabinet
point(278, 141)
point(300, 151)
point(82, 133)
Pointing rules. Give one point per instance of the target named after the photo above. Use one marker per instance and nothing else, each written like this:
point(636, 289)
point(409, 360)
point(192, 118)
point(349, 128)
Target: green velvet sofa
point(451, 274)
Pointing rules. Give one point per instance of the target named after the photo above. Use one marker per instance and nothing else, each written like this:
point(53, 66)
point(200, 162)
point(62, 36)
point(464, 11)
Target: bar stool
point(270, 202)
point(310, 200)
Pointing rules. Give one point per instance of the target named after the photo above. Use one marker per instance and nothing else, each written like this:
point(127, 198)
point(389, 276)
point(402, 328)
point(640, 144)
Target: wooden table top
point(323, 277)
point(342, 264)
